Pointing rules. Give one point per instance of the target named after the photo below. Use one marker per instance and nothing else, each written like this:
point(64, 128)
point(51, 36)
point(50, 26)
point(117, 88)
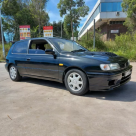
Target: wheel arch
point(10, 65)
point(73, 67)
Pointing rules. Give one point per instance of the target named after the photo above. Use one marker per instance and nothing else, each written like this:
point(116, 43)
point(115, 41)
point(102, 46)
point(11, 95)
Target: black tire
point(17, 76)
point(84, 86)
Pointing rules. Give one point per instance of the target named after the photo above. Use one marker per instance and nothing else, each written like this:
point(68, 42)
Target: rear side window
point(20, 47)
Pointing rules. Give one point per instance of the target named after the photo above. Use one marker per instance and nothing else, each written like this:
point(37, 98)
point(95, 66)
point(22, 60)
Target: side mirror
point(49, 51)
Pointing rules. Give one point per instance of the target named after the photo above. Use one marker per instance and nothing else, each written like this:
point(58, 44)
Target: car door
point(19, 55)
point(40, 64)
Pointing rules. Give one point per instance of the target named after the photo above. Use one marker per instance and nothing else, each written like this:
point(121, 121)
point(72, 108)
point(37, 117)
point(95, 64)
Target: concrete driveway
point(36, 107)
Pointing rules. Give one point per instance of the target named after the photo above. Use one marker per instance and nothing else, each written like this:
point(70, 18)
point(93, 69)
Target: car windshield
point(67, 46)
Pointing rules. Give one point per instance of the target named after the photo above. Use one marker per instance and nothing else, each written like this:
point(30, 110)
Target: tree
point(26, 12)
point(67, 26)
point(37, 8)
point(74, 10)
point(129, 6)
point(57, 29)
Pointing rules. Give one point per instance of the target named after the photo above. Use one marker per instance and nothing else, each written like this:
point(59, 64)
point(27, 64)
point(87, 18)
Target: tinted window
point(20, 47)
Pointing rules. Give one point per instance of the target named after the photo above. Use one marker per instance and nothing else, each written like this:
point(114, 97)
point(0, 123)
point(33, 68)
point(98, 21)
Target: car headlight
point(112, 66)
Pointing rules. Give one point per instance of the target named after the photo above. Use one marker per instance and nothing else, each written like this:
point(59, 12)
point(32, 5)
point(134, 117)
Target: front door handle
point(28, 59)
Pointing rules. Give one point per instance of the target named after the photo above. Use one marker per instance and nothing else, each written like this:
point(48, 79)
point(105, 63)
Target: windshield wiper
point(80, 50)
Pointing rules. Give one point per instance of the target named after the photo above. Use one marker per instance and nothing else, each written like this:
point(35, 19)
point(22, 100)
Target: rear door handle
point(28, 59)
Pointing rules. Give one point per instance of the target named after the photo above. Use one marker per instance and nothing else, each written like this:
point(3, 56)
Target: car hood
point(105, 57)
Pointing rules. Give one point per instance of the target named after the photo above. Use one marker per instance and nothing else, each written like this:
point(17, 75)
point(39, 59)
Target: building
point(108, 16)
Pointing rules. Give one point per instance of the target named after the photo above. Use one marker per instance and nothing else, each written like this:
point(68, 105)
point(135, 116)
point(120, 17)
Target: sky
point(54, 14)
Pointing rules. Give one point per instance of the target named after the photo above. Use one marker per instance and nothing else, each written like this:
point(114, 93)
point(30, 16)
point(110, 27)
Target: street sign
point(25, 32)
point(114, 31)
point(48, 31)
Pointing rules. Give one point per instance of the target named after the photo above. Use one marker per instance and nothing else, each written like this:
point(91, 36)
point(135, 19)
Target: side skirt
point(44, 78)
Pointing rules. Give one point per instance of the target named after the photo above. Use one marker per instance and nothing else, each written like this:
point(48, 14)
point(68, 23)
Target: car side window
point(20, 47)
point(39, 46)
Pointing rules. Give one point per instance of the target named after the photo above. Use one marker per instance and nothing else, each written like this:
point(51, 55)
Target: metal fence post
point(94, 36)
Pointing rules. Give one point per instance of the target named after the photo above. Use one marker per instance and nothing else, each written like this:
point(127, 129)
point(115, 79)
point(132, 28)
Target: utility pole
point(87, 34)
point(2, 31)
point(94, 36)
point(61, 28)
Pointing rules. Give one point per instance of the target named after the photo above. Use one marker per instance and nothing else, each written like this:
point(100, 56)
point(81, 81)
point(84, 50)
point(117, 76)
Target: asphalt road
point(36, 107)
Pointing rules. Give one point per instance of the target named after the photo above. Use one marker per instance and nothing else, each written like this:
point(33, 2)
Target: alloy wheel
point(75, 81)
point(13, 72)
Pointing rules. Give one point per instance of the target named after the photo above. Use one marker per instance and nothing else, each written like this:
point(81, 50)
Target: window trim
point(56, 50)
point(14, 47)
point(45, 39)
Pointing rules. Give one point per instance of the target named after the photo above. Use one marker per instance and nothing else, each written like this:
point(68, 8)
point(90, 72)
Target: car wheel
point(76, 82)
point(14, 74)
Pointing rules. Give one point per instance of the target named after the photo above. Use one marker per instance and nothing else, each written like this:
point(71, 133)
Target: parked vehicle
point(67, 62)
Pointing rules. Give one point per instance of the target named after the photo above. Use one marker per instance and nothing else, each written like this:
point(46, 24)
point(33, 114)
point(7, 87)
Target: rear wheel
point(76, 82)
point(14, 74)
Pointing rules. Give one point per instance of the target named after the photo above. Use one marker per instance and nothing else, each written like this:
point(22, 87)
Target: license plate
point(127, 72)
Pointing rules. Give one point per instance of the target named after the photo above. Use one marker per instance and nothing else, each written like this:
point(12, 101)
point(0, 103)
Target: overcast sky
point(55, 15)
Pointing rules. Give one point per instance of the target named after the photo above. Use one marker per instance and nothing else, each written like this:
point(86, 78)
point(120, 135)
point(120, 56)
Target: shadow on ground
point(126, 93)
point(44, 83)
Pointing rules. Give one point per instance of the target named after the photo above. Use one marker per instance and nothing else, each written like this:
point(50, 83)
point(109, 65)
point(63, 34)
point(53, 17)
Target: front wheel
point(14, 74)
point(76, 82)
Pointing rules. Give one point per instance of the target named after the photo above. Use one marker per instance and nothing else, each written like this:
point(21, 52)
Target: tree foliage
point(26, 12)
point(67, 26)
point(73, 11)
point(129, 6)
point(57, 29)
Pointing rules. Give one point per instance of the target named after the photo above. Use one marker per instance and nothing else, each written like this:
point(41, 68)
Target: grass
point(127, 50)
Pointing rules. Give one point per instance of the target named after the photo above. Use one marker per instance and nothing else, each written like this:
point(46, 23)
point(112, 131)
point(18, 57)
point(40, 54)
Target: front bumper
point(108, 81)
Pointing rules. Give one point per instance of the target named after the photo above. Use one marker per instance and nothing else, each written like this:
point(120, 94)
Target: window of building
point(111, 7)
point(114, 6)
point(21, 47)
point(119, 8)
point(103, 7)
point(117, 22)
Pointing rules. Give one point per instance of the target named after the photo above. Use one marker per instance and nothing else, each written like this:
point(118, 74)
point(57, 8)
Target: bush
point(7, 47)
point(89, 43)
point(123, 45)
